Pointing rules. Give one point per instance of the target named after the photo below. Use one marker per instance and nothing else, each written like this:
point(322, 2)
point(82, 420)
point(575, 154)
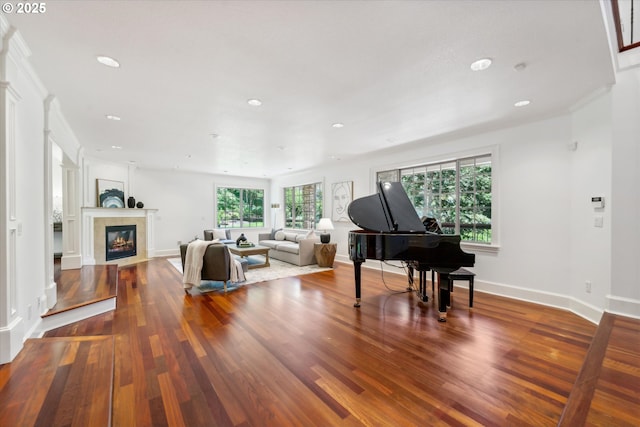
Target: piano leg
point(444, 296)
point(410, 277)
point(423, 286)
point(357, 265)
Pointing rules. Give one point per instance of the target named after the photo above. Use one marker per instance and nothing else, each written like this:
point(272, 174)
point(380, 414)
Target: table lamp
point(325, 224)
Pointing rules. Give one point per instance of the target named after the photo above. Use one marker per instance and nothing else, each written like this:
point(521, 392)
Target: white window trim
point(264, 188)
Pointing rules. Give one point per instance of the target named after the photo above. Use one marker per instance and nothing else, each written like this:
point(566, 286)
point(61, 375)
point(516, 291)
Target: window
point(303, 205)
point(240, 207)
point(627, 26)
point(457, 193)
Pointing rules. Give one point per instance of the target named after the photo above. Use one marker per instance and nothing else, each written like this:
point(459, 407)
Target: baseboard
point(71, 262)
point(623, 306)
point(51, 297)
point(166, 252)
point(11, 340)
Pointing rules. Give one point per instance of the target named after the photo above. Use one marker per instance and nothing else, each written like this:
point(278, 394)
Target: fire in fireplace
point(120, 241)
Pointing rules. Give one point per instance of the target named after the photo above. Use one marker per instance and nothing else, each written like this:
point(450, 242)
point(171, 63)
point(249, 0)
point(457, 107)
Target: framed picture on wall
point(341, 196)
point(110, 194)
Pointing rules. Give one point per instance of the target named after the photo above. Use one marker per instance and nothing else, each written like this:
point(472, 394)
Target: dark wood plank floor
point(296, 352)
point(59, 382)
point(82, 286)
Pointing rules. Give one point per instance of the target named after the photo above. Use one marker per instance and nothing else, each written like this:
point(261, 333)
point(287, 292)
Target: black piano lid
point(388, 211)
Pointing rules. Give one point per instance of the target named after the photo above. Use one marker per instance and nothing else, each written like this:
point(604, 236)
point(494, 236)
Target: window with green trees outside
point(239, 207)
point(303, 205)
point(456, 193)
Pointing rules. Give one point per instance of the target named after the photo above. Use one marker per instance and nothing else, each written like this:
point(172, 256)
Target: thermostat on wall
point(597, 202)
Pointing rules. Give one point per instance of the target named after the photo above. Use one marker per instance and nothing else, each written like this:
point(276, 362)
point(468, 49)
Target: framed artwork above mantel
point(109, 194)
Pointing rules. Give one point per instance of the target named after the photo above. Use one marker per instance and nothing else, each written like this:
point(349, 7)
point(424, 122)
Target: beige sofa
point(292, 246)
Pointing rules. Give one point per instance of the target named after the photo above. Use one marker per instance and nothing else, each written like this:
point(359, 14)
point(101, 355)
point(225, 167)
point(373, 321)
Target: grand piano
point(392, 230)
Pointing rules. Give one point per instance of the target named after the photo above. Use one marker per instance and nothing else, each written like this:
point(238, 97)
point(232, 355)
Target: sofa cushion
point(219, 233)
point(272, 244)
point(273, 233)
point(292, 248)
point(279, 235)
point(290, 236)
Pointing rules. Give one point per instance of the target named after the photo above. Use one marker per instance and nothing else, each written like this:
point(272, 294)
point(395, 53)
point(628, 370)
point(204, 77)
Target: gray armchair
point(215, 262)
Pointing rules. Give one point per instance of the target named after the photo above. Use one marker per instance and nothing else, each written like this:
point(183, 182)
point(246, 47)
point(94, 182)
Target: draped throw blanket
point(237, 275)
point(193, 262)
point(193, 265)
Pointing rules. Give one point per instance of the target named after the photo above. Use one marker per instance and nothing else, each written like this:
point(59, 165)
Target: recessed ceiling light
point(108, 61)
point(112, 117)
point(254, 102)
point(337, 125)
point(116, 147)
point(481, 64)
point(520, 67)
point(522, 103)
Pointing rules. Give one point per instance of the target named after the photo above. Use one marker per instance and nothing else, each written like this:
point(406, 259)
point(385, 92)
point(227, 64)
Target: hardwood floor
point(83, 286)
point(58, 382)
point(296, 352)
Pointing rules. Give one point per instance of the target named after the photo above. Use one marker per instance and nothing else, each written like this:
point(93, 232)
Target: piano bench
point(463, 274)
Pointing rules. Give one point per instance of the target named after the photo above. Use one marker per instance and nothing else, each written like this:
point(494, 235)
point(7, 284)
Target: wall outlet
point(587, 287)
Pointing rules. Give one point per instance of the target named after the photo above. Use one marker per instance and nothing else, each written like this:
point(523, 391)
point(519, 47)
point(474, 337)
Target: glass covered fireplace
point(120, 241)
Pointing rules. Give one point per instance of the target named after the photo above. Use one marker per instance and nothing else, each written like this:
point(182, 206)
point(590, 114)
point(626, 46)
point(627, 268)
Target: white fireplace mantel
point(90, 214)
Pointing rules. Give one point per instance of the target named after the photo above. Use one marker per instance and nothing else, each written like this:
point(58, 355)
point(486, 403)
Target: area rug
point(276, 270)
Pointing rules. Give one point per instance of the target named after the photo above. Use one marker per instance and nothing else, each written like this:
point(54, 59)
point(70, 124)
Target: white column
point(50, 286)
point(71, 217)
point(11, 324)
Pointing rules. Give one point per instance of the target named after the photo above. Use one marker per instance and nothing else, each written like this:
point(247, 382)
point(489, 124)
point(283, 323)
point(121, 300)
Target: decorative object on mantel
point(109, 194)
point(131, 202)
point(140, 205)
point(325, 224)
point(241, 239)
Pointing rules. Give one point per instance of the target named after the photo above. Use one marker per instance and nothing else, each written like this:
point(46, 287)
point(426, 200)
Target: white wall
point(97, 169)
point(590, 169)
point(185, 203)
point(625, 279)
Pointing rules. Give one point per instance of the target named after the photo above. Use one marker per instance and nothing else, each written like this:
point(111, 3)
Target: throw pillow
point(273, 233)
point(279, 235)
point(219, 233)
point(290, 236)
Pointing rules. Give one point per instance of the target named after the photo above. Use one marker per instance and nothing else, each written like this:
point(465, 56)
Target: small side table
point(325, 253)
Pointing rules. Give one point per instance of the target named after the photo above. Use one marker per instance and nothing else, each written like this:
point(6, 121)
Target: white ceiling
point(392, 71)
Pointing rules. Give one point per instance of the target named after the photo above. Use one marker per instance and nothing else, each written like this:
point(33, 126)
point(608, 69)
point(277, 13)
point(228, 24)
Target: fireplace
point(120, 241)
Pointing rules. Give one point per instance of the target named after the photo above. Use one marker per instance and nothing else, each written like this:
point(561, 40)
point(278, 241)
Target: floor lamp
point(275, 207)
